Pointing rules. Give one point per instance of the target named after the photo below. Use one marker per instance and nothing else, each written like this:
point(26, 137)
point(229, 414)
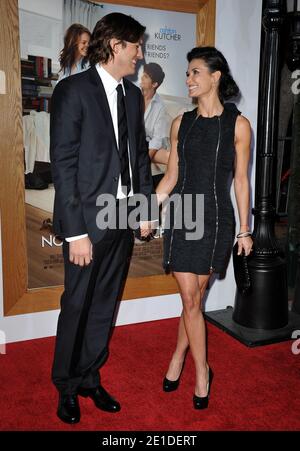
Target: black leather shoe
point(201, 402)
point(101, 398)
point(170, 385)
point(68, 409)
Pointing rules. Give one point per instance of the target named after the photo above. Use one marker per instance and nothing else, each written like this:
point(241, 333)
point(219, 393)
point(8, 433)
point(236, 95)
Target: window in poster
point(40, 36)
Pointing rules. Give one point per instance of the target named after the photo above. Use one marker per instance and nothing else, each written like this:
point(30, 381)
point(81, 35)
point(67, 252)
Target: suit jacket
point(84, 155)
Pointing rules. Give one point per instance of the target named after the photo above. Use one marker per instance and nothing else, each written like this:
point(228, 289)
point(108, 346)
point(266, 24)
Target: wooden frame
point(17, 298)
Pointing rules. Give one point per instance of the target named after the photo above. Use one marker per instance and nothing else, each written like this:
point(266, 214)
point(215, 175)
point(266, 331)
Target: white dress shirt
point(110, 86)
point(78, 68)
point(156, 123)
point(157, 126)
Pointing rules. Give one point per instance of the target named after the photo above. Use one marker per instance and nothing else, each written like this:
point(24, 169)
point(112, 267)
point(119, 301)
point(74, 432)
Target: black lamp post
point(293, 61)
point(294, 213)
point(266, 306)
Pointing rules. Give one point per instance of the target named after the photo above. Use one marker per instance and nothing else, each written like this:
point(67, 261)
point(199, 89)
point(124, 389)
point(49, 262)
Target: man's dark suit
point(85, 163)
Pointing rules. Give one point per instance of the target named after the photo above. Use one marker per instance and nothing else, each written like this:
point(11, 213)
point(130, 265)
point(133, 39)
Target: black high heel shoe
point(170, 385)
point(201, 402)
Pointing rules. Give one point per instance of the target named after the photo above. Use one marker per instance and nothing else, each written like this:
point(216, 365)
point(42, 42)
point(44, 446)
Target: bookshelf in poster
point(37, 87)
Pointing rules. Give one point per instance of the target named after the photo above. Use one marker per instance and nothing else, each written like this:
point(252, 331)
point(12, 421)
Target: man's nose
point(140, 53)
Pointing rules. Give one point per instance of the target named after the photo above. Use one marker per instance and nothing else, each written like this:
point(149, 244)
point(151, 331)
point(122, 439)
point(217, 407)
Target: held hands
point(81, 251)
point(146, 228)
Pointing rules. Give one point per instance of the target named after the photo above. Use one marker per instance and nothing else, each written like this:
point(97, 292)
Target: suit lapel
point(103, 103)
point(104, 106)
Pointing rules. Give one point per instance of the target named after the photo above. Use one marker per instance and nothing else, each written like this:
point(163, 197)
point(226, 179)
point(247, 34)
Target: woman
point(73, 57)
point(206, 144)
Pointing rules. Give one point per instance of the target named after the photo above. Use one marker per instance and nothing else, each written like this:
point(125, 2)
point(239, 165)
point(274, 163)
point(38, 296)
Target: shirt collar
point(154, 99)
point(109, 82)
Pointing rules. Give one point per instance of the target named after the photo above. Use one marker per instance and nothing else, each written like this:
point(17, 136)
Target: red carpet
point(253, 388)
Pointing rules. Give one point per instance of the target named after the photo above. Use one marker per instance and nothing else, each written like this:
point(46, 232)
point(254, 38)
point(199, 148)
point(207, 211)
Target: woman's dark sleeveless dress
point(206, 155)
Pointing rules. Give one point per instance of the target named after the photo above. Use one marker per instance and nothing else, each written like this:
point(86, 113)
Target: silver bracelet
point(243, 234)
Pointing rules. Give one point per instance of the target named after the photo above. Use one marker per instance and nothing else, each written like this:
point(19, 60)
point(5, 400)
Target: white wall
point(1, 276)
point(238, 30)
point(237, 35)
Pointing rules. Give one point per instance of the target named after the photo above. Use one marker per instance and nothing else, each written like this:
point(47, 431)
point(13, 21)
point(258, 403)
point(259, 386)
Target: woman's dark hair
point(215, 60)
point(67, 56)
point(114, 25)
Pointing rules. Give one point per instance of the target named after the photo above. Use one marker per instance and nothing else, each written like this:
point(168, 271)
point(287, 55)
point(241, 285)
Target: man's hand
point(80, 251)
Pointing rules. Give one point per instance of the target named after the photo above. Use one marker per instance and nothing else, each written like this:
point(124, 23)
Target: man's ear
point(115, 44)
point(155, 85)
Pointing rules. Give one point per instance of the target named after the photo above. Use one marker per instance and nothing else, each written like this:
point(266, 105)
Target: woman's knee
point(191, 302)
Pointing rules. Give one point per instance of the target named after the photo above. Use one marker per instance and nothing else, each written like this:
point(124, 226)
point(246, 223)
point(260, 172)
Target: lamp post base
point(252, 337)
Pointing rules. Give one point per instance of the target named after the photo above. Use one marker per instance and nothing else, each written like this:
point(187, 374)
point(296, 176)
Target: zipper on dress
point(216, 198)
point(182, 188)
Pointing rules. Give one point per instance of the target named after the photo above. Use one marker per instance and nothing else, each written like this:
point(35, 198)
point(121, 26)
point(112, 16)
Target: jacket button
point(115, 179)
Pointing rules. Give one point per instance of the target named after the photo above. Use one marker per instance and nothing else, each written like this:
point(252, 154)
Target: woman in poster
point(73, 56)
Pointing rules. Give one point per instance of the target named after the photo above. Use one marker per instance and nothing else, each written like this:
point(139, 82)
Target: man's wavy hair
point(114, 25)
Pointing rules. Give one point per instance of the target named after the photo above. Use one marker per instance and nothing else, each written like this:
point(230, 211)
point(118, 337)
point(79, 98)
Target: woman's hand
point(245, 244)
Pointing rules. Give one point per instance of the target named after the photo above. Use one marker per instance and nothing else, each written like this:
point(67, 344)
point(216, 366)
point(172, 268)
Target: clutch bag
point(241, 270)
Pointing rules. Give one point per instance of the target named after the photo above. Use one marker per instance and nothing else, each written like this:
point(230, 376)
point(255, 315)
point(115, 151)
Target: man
point(157, 126)
point(157, 120)
point(97, 147)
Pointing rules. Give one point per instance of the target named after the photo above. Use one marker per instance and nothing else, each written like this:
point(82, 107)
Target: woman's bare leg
point(191, 331)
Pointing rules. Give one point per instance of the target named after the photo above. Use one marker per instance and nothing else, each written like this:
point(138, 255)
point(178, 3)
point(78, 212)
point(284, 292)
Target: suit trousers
point(87, 309)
